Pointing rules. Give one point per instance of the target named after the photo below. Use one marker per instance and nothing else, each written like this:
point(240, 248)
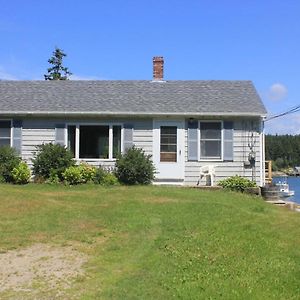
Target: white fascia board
point(127, 114)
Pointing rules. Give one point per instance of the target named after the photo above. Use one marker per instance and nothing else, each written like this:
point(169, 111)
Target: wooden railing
point(268, 171)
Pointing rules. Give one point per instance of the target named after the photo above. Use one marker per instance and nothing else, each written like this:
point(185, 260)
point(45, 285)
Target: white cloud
point(284, 125)
point(277, 92)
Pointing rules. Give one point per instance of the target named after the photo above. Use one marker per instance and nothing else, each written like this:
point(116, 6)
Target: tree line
point(283, 150)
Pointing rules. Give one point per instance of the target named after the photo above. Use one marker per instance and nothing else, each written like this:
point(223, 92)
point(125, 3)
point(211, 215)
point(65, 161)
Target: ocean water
point(294, 183)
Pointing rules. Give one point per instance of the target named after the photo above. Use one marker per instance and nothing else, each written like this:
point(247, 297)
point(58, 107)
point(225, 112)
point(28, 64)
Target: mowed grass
point(158, 242)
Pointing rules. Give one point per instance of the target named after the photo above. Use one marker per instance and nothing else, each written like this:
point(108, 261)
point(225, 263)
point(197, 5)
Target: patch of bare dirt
point(52, 266)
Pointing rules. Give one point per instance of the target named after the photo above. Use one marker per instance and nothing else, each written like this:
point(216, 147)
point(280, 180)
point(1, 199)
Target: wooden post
point(268, 171)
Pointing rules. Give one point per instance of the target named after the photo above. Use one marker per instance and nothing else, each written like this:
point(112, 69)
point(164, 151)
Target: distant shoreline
point(279, 173)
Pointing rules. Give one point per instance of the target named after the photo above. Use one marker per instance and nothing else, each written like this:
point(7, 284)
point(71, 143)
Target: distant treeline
point(283, 150)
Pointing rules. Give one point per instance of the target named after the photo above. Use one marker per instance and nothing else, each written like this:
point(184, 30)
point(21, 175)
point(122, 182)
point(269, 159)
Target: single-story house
point(183, 125)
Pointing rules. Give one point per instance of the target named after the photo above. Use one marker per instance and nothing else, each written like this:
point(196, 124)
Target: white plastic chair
point(207, 172)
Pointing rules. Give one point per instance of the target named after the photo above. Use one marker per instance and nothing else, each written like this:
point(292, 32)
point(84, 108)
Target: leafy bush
point(53, 178)
point(9, 160)
point(51, 158)
point(135, 167)
point(237, 183)
point(109, 179)
point(21, 173)
point(87, 172)
point(73, 175)
point(105, 177)
point(2, 180)
point(99, 175)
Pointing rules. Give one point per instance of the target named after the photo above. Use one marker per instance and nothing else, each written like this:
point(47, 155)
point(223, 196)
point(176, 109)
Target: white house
point(184, 125)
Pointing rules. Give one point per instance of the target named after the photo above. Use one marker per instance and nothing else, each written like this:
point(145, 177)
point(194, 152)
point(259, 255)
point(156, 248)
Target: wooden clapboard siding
point(227, 169)
point(143, 135)
point(36, 132)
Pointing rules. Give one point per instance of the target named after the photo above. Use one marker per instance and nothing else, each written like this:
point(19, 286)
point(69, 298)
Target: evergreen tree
point(57, 71)
point(284, 150)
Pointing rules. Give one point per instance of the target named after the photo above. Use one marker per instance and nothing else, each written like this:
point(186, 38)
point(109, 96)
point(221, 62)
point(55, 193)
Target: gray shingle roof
point(130, 97)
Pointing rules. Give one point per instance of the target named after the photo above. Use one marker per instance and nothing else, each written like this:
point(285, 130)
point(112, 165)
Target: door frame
point(169, 172)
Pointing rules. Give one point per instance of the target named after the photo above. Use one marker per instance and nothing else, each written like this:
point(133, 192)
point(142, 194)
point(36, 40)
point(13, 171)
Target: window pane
point(168, 130)
point(168, 148)
point(116, 141)
point(4, 132)
point(72, 138)
point(210, 149)
point(4, 142)
point(168, 143)
point(4, 124)
point(94, 142)
point(210, 130)
point(5, 129)
point(168, 139)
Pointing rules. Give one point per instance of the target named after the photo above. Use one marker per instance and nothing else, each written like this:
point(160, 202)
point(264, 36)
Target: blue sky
point(256, 40)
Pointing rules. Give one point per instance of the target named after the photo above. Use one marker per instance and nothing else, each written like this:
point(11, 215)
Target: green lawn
point(158, 242)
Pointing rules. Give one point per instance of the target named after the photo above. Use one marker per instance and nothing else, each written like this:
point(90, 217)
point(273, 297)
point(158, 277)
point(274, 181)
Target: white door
point(168, 150)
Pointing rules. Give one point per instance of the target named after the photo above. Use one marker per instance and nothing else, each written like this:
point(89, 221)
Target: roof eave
point(128, 114)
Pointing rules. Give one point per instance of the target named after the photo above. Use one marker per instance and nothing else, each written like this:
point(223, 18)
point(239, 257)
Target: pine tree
point(57, 71)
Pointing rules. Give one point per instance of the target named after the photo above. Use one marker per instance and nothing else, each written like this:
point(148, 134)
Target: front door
point(168, 151)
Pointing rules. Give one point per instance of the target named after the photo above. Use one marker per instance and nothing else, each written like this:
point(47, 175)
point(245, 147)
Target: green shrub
point(21, 173)
point(87, 172)
point(72, 175)
point(109, 179)
point(51, 158)
point(105, 177)
point(2, 179)
point(100, 173)
point(135, 167)
point(9, 160)
point(53, 178)
point(236, 183)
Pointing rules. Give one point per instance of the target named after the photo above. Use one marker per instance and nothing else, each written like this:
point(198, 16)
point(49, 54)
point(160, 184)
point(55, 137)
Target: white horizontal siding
point(143, 136)
point(37, 132)
point(241, 139)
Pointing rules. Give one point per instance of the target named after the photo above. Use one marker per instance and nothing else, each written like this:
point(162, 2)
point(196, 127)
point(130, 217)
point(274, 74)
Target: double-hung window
point(210, 140)
point(94, 141)
point(5, 133)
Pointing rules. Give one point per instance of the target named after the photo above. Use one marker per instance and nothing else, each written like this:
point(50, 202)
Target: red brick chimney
point(158, 68)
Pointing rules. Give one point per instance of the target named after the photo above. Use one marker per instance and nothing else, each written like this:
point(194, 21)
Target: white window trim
point(110, 139)
point(11, 131)
point(199, 141)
